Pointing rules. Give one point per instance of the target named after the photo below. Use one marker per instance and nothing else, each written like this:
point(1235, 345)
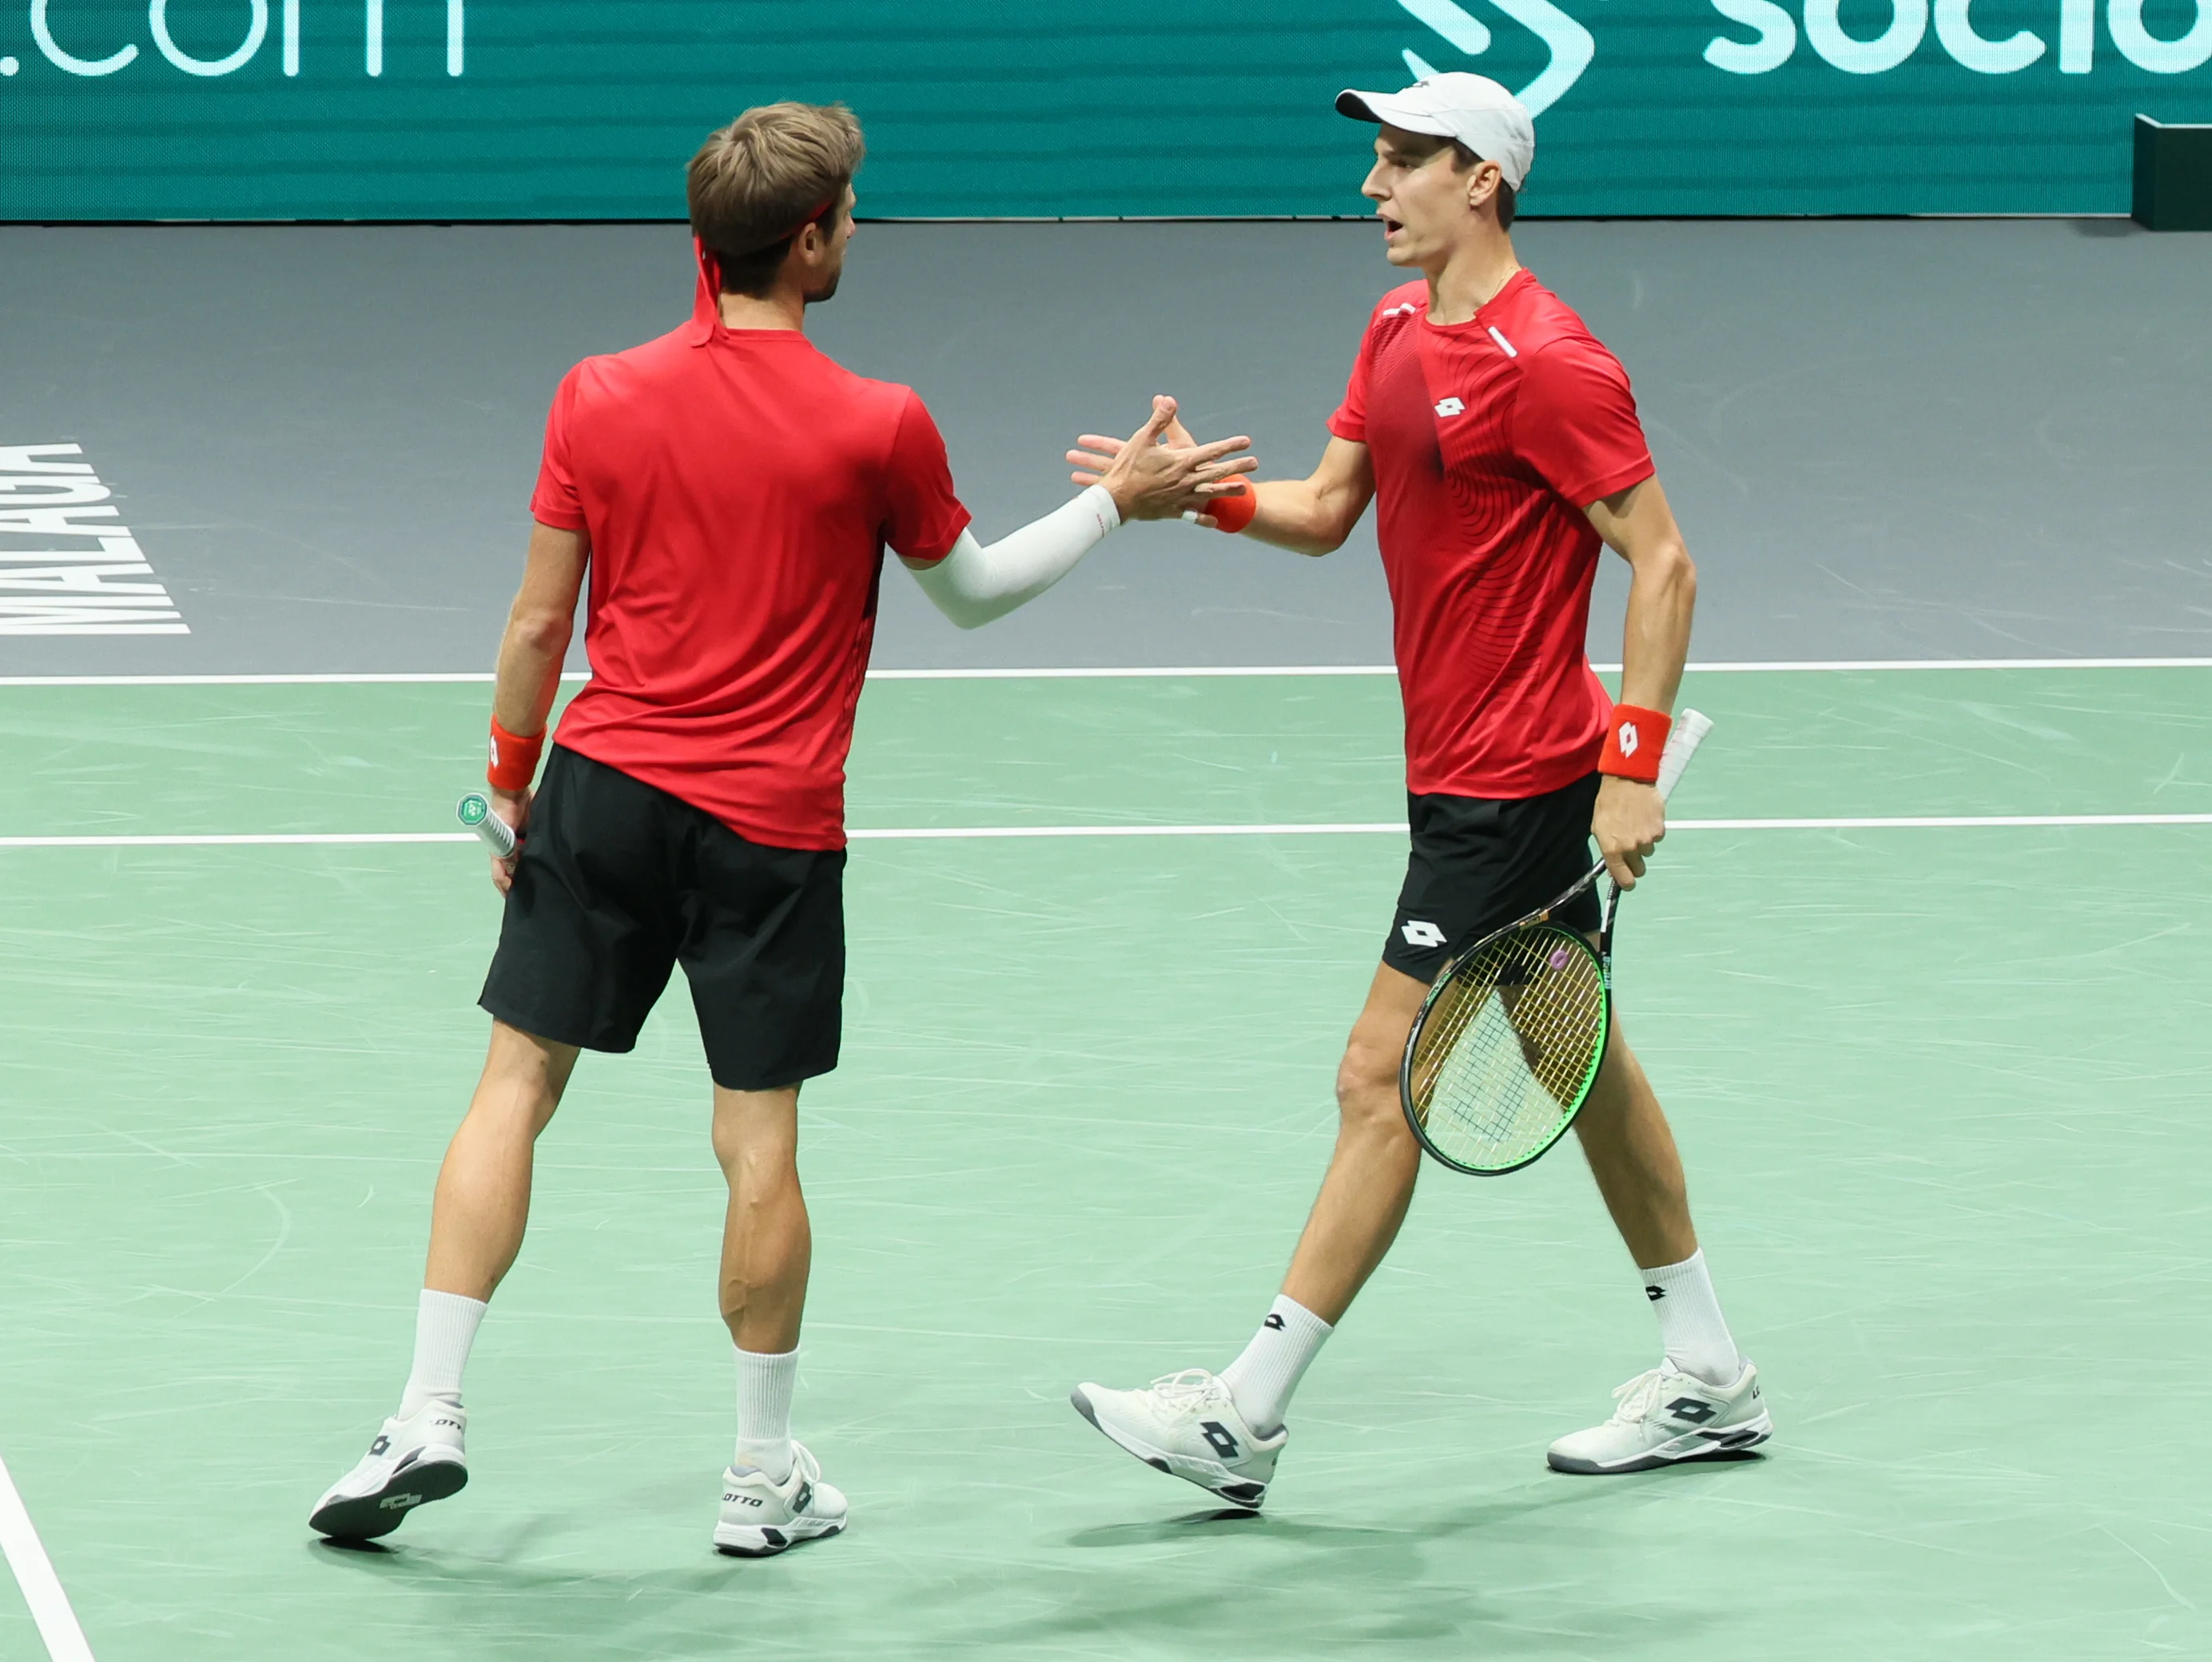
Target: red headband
point(786, 236)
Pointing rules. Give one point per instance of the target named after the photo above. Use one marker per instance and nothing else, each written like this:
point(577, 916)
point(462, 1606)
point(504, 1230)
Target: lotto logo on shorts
point(1418, 933)
point(1449, 407)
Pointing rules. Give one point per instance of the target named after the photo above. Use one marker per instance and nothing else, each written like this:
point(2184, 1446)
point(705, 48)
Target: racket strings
point(1509, 1049)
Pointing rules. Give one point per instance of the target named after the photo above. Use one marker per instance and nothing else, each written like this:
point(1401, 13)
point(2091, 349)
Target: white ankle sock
point(765, 1380)
point(1261, 1379)
point(445, 1328)
point(1690, 1325)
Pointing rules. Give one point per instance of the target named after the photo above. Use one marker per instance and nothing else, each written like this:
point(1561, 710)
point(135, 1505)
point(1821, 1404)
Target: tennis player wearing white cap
point(1500, 443)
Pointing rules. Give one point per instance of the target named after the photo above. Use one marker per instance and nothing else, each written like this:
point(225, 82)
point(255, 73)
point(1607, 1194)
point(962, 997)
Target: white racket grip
point(1683, 739)
point(475, 811)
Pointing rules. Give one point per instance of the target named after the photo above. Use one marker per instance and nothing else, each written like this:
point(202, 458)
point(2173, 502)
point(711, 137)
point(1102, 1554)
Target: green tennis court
point(1941, 1087)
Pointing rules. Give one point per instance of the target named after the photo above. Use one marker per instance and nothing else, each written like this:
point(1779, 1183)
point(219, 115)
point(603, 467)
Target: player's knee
point(754, 1157)
point(1367, 1086)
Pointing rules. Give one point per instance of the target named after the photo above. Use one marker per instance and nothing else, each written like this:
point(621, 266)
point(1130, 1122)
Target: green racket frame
point(1689, 731)
point(1538, 921)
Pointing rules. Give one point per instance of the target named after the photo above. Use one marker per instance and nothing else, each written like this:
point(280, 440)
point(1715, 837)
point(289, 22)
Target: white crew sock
point(765, 1381)
point(1690, 1325)
point(1261, 1379)
point(445, 1328)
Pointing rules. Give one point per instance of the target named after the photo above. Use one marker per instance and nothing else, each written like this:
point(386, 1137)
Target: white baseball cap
point(1471, 108)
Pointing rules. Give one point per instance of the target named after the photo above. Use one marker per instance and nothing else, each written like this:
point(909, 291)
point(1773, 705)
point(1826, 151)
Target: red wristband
point(514, 761)
point(1233, 513)
point(1634, 743)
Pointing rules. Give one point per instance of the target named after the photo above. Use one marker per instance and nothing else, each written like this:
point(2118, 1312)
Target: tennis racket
point(1509, 1040)
point(474, 810)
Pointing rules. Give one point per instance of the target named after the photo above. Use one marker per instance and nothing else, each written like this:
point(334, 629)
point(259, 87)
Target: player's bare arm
point(531, 653)
point(1631, 817)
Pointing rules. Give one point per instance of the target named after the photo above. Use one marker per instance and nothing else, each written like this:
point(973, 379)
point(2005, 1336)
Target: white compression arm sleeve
point(973, 584)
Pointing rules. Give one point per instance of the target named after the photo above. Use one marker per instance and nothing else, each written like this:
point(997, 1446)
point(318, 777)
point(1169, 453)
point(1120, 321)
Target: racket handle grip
point(475, 811)
point(1682, 742)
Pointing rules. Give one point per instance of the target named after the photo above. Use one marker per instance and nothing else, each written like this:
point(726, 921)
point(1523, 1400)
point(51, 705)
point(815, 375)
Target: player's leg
point(477, 1219)
point(1470, 867)
point(1632, 1155)
point(1703, 1401)
point(1225, 1432)
point(765, 954)
point(482, 1205)
point(768, 1247)
point(582, 957)
point(1369, 1182)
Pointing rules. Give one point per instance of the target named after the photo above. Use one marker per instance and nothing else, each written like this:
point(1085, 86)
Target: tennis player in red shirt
point(730, 493)
point(1500, 443)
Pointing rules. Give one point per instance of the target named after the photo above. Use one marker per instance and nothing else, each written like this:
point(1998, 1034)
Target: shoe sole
point(368, 1517)
point(766, 1540)
point(1736, 1442)
point(1238, 1491)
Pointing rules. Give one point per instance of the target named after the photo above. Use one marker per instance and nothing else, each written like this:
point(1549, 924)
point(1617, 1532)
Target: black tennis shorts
point(1477, 864)
point(619, 881)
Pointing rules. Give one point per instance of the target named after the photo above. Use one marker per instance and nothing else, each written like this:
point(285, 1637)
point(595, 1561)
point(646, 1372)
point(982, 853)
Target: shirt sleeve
point(1350, 420)
point(922, 516)
point(1575, 423)
point(556, 501)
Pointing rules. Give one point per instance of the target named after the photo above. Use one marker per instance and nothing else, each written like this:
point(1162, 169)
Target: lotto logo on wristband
point(1625, 754)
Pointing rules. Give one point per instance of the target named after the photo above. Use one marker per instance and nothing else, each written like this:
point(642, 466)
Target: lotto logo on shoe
point(1418, 933)
point(399, 1502)
point(1692, 1411)
point(1629, 738)
point(1449, 407)
point(731, 1497)
point(1218, 1438)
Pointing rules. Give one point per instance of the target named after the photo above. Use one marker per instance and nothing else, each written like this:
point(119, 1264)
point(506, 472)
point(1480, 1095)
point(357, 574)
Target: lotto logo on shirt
point(1449, 407)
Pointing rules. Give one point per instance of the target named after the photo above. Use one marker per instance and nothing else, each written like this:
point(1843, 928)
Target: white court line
point(1780, 666)
point(271, 839)
point(35, 1574)
point(971, 833)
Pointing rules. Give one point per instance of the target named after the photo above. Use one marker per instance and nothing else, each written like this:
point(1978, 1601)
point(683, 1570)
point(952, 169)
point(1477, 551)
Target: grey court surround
point(1912, 438)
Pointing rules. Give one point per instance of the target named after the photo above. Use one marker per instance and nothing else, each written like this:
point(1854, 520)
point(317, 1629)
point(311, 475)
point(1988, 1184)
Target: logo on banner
point(1571, 44)
point(1967, 46)
point(1775, 31)
point(67, 43)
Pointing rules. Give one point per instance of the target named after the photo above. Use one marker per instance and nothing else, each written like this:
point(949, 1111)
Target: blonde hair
point(763, 179)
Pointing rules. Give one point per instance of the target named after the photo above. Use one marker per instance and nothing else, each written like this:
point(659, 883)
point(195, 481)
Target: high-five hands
point(1158, 472)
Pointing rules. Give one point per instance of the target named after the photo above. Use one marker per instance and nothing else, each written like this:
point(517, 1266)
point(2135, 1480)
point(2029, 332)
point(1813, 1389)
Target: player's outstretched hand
point(513, 807)
point(1159, 472)
point(1629, 821)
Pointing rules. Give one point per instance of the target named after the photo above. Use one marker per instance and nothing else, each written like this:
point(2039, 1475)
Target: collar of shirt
point(1483, 314)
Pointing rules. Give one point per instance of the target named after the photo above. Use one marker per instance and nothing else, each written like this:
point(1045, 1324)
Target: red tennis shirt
point(1488, 439)
point(738, 488)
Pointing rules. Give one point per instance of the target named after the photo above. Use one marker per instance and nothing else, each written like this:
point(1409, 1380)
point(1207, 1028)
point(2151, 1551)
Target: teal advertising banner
point(588, 109)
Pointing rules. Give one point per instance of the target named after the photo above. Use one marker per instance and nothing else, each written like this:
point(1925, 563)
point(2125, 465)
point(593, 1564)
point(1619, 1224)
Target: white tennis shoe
point(412, 1462)
point(761, 1518)
point(1187, 1425)
point(1666, 1417)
